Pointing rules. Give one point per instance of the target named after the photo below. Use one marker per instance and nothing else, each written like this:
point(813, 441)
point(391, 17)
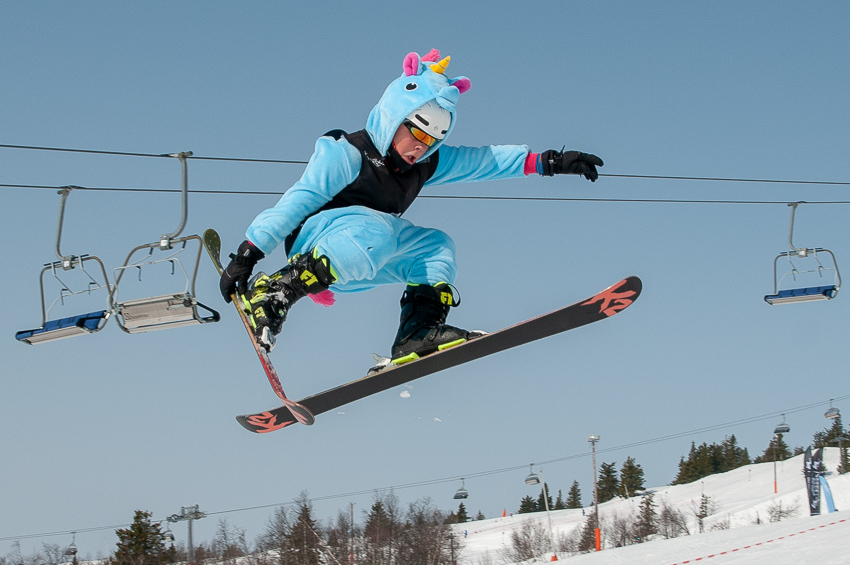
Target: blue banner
point(827, 494)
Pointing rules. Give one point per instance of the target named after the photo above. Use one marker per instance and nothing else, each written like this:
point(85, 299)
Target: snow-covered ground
point(742, 499)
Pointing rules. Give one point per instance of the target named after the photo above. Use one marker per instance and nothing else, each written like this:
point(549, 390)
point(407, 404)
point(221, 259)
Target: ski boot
point(422, 328)
point(271, 296)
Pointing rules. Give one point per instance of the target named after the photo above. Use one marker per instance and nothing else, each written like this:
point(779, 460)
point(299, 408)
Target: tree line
point(702, 460)
point(420, 533)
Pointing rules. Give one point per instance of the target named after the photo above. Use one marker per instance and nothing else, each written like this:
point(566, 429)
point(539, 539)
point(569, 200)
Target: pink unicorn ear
point(462, 84)
point(432, 57)
point(411, 64)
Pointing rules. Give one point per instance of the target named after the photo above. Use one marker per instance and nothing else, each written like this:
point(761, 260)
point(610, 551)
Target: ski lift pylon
point(70, 326)
point(805, 293)
point(171, 310)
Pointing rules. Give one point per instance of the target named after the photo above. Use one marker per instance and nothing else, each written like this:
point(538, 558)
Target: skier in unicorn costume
point(341, 223)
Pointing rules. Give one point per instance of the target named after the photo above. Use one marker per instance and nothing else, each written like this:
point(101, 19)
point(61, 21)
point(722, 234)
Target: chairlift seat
point(808, 294)
point(461, 494)
point(161, 312)
point(64, 328)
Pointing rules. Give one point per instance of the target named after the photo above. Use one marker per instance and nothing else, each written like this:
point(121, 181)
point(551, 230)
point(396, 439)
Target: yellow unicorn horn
point(441, 67)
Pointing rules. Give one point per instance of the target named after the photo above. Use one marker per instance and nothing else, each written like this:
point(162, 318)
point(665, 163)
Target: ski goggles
point(419, 134)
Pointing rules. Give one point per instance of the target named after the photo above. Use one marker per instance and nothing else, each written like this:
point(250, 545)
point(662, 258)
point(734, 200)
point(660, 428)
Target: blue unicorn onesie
point(341, 223)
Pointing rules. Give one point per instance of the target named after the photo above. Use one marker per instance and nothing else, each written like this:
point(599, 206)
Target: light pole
point(532, 479)
point(782, 428)
point(598, 538)
point(351, 535)
point(189, 513)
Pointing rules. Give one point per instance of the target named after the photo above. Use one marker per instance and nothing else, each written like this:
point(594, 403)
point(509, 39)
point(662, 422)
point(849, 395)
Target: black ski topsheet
point(598, 307)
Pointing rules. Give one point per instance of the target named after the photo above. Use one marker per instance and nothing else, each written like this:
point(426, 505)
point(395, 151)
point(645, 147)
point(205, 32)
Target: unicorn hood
point(423, 80)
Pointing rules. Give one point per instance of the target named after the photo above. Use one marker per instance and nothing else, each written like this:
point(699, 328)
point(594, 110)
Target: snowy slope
point(742, 499)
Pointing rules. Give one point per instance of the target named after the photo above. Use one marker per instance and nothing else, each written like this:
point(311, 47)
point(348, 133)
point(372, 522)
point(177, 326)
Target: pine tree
point(143, 543)
point(527, 504)
point(608, 485)
point(574, 496)
point(732, 455)
point(376, 522)
point(377, 532)
point(303, 537)
point(587, 537)
point(631, 477)
point(647, 521)
point(777, 448)
point(559, 502)
point(710, 459)
point(699, 464)
point(462, 516)
point(706, 508)
point(835, 436)
point(480, 516)
point(382, 530)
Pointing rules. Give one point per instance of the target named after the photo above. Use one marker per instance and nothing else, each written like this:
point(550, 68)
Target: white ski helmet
point(431, 118)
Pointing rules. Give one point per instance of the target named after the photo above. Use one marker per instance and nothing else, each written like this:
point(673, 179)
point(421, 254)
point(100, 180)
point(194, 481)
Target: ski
point(296, 412)
point(600, 306)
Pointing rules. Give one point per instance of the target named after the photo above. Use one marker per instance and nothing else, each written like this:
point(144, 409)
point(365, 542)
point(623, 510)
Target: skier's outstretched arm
point(496, 162)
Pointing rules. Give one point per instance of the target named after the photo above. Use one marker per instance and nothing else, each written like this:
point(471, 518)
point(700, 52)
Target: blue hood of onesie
point(423, 80)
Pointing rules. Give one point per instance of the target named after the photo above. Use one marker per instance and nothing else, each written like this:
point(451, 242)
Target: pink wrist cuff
point(530, 164)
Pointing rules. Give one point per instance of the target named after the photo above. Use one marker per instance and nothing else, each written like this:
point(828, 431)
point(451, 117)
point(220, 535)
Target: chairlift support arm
point(68, 261)
point(802, 251)
point(165, 240)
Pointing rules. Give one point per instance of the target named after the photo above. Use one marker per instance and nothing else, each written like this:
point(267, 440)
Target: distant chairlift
point(461, 492)
point(169, 310)
point(811, 257)
point(52, 330)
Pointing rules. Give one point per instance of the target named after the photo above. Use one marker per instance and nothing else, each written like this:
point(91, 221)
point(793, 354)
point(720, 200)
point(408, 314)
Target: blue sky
point(96, 427)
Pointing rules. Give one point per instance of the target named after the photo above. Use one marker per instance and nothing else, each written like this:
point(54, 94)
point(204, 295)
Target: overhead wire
point(301, 162)
point(438, 196)
point(444, 480)
point(135, 154)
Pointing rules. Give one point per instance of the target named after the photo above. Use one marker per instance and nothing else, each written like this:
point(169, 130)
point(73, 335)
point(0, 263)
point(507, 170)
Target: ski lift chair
point(461, 492)
point(71, 551)
point(812, 257)
point(70, 326)
point(173, 310)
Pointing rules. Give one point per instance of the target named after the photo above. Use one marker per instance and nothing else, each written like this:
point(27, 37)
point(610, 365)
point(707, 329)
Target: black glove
point(570, 163)
point(234, 278)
